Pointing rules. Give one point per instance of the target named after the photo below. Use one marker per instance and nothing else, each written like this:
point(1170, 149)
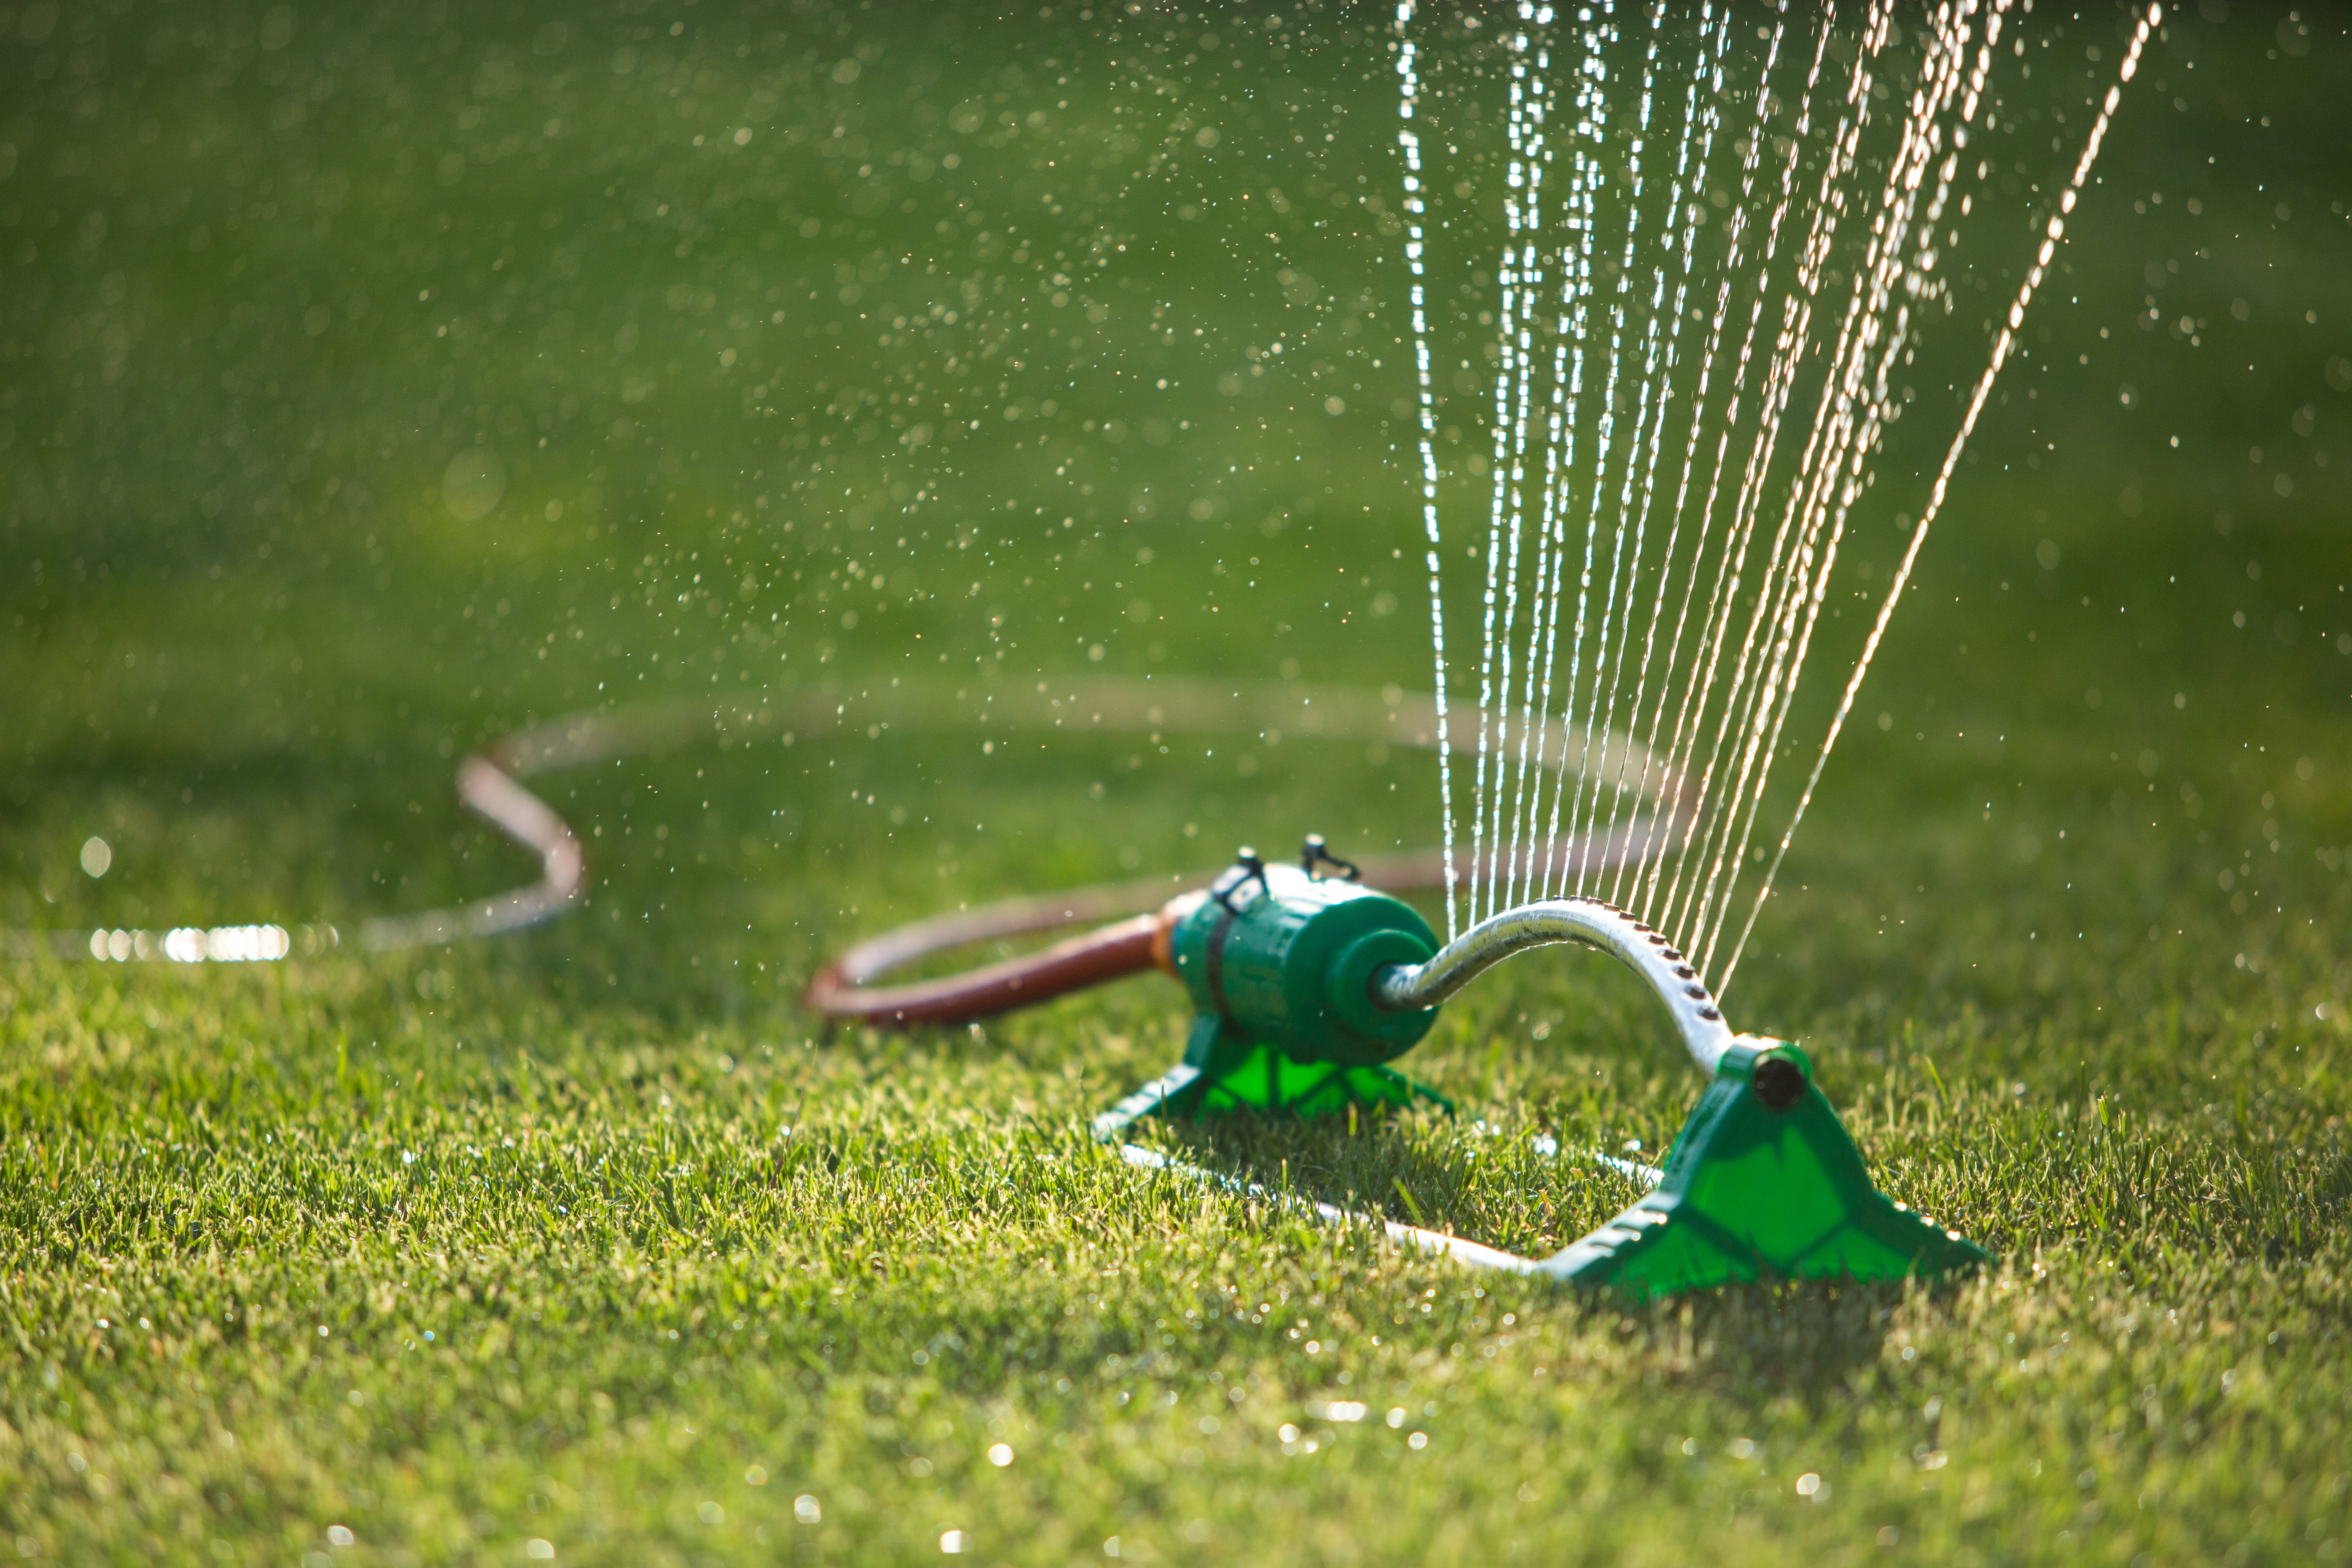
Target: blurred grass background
point(373, 380)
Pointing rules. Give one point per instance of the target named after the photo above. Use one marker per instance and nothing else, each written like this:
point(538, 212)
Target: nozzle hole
point(1779, 1084)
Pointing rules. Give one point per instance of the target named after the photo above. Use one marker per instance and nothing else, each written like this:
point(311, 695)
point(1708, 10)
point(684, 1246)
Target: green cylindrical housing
point(1290, 963)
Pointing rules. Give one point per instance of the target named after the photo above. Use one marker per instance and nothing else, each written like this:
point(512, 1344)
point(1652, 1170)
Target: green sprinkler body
point(1279, 961)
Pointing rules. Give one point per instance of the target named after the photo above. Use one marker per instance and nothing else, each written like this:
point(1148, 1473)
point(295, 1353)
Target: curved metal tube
point(1589, 923)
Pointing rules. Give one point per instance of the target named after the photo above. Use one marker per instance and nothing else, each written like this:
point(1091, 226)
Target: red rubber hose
point(843, 991)
point(1110, 952)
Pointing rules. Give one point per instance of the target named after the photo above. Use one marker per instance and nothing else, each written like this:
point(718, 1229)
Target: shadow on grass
point(1423, 1169)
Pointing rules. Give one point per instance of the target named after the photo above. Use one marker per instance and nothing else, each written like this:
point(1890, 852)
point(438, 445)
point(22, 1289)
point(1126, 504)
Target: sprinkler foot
point(1763, 1183)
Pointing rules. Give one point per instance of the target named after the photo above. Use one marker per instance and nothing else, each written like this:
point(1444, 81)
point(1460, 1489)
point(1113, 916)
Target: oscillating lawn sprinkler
point(1308, 984)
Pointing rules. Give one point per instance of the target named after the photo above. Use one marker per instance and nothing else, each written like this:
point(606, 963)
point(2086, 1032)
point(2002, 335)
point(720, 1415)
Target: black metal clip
point(1315, 853)
point(1247, 867)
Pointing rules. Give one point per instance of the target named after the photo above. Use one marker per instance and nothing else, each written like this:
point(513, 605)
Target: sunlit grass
point(590, 1242)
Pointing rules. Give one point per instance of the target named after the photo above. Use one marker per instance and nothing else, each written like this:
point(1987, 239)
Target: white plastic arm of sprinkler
point(1589, 923)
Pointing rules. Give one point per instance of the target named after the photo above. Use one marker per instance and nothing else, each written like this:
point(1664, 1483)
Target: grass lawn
point(374, 379)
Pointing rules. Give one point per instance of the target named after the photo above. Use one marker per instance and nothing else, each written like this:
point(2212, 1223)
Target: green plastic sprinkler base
point(1224, 1073)
point(1762, 1184)
point(1239, 1074)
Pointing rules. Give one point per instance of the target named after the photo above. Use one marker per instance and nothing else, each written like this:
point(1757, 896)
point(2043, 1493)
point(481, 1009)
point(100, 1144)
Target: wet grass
point(590, 1238)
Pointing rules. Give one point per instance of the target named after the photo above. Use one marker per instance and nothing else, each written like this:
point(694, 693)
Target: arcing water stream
point(1853, 197)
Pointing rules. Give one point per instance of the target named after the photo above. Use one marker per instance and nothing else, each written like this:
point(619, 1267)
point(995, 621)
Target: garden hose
point(490, 783)
point(1135, 914)
point(1306, 980)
